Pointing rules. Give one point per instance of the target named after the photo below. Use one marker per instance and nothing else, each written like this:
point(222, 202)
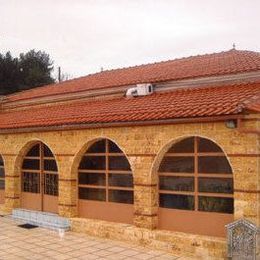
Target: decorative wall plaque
point(243, 240)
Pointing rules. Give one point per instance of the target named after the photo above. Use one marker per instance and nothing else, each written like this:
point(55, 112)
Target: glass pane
point(50, 165)
point(216, 185)
point(31, 182)
point(119, 163)
point(120, 180)
point(31, 164)
point(1, 161)
point(184, 146)
point(2, 172)
point(51, 184)
point(93, 163)
point(92, 194)
point(173, 201)
point(98, 147)
point(35, 151)
point(92, 178)
point(47, 152)
point(121, 196)
point(212, 204)
point(214, 164)
point(177, 164)
point(207, 146)
point(2, 184)
point(113, 148)
point(176, 183)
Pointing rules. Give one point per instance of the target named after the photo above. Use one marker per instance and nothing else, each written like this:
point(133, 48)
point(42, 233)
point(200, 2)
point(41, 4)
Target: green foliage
point(31, 69)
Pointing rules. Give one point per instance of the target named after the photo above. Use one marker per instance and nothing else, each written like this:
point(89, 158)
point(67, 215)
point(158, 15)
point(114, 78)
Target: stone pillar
point(67, 187)
point(258, 170)
point(12, 183)
point(246, 193)
point(145, 193)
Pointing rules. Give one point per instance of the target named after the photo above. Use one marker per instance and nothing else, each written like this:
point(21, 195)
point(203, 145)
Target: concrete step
point(42, 219)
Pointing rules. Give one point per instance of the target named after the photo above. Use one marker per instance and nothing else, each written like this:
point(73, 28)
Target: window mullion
point(41, 179)
point(107, 166)
point(196, 199)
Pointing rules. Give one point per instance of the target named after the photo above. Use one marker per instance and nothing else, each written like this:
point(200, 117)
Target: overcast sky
point(82, 36)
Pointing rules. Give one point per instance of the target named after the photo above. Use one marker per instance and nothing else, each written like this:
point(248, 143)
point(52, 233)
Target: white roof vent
point(140, 90)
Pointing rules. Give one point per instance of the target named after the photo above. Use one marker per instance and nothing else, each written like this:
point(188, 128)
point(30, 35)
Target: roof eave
point(67, 127)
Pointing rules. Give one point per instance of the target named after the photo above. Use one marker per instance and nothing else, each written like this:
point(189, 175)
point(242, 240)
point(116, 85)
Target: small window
point(31, 164)
point(120, 180)
point(177, 164)
point(2, 178)
point(92, 194)
point(214, 164)
point(34, 151)
point(184, 146)
point(93, 163)
point(195, 175)
point(104, 165)
point(97, 147)
point(98, 179)
point(118, 163)
point(2, 171)
point(121, 196)
point(50, 165)
point(216, 204)
point(39, 161)
point(173, 201)
point(177, 183)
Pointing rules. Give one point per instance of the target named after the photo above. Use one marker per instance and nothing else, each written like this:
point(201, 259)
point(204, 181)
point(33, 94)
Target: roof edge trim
point(119, 124)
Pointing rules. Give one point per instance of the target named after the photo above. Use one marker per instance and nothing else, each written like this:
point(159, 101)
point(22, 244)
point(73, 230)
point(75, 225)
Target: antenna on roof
point(59, 74)
point(101, 69)
point(234, 46)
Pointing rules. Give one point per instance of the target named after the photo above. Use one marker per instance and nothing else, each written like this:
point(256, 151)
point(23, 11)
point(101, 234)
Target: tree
point(30, 70)
point(36, 68)
point(9, 74)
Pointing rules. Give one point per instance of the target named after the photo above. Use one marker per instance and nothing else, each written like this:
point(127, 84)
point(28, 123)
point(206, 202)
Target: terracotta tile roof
point(228, 62)
point(181, 103)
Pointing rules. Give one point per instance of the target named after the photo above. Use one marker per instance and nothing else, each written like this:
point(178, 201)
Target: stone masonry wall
point(144, 147)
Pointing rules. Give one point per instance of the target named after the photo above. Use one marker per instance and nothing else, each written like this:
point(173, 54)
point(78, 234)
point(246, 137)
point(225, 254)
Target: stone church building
point(162, 155)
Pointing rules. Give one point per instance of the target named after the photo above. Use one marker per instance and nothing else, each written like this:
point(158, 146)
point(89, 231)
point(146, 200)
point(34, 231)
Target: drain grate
point(27, 226)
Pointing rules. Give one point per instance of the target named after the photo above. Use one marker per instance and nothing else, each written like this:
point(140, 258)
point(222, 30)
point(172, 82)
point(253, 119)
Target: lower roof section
point(178, 104)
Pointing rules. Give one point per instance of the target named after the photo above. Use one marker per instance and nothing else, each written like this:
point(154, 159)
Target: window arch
point(105, 183)
point(2, 181)
point(39, 179)
point(195, 177)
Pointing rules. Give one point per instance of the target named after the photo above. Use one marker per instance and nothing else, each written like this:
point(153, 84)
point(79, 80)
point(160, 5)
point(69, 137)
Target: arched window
point(196, 184)
point(105, 183)
point(40, 179)
point(2, 181)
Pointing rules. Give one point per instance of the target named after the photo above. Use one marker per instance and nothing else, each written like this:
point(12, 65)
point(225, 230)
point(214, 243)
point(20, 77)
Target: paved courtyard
point(40, 243)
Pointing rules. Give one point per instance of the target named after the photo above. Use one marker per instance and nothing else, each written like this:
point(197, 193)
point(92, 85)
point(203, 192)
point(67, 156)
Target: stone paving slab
point(39, 243)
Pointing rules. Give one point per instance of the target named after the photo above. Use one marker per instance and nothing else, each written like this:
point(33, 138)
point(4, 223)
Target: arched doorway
point(2, 181)
point(195, 188)
point(105, 183)
point(39, 179)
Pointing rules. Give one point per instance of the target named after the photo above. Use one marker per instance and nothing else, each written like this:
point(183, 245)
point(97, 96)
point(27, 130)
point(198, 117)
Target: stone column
point(67, 187)
point(145, 193)
point(246, 193)
point(247, 172)
point(12, 183)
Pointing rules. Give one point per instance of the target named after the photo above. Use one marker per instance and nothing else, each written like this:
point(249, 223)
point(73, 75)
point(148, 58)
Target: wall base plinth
point(177, 243)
